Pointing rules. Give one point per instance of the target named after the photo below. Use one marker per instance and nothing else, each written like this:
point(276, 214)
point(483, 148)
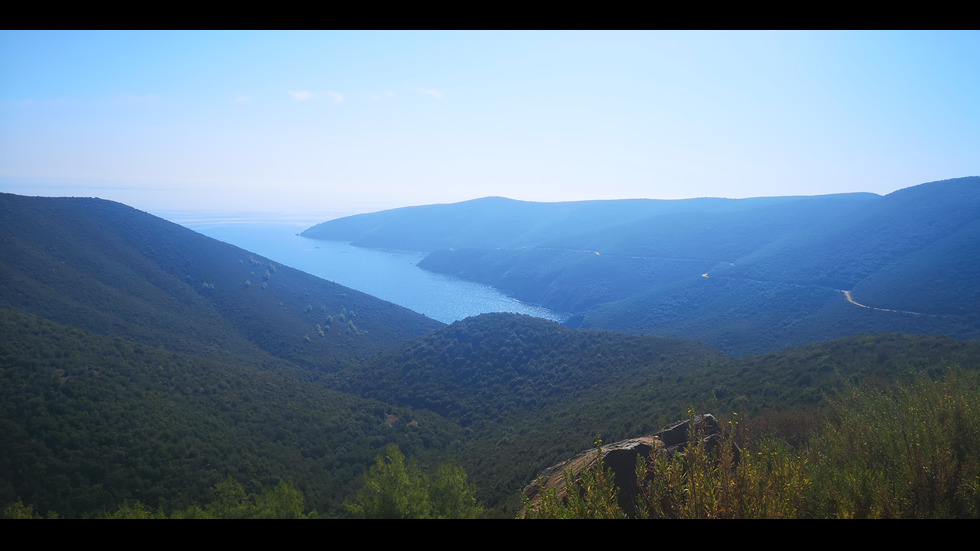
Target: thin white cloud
point(382, 95)
point(337, 97)
point(242, 99)
point(432, 92)
point(301, 95)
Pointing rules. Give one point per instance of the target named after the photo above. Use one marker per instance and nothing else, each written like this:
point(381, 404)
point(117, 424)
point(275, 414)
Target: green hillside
point(529, 392)
point(90, 421)
point(115, 270)
point(142, 360)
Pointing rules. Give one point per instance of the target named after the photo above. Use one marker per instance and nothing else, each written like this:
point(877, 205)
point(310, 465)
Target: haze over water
point(389, 275)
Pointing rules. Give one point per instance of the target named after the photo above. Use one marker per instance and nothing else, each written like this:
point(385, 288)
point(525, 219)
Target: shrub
point(394, 489)
point(903, 452)
point(907, 451)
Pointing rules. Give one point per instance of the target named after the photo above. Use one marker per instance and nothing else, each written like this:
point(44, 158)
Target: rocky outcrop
point(620, 458)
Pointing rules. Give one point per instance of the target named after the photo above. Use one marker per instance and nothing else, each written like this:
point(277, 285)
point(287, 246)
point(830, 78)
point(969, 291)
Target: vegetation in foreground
point(398, 490)
point(230, 500)
point(887, 451)
point(392, 489)
point(907, 451)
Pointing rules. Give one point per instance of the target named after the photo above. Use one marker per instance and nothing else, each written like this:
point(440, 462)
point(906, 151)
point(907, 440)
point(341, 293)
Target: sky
point(334, 123)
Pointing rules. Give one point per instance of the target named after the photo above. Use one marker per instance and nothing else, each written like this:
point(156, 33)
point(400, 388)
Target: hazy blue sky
point(356, 121)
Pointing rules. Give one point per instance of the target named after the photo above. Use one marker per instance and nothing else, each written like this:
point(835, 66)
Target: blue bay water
point(390, 275)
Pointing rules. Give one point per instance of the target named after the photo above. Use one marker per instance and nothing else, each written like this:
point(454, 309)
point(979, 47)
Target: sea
point(390, 275)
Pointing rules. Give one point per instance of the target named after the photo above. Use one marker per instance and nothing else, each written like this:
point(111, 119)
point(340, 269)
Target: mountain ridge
point(605, 261)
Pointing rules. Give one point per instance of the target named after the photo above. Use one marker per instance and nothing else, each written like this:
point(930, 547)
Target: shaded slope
point(846, 250)
point(112, 269)
point(910, 257)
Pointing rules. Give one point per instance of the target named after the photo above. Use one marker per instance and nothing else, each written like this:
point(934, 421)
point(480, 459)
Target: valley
point(390, 275)
point(141, 361)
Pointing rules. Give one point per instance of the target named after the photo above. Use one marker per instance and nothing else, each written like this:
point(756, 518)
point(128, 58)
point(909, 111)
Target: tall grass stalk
point(906, 451)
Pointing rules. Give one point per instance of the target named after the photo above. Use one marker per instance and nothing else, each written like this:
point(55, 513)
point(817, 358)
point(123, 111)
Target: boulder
point(620, 458)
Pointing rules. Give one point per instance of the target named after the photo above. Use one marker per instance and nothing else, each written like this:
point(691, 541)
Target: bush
point(394, 489)
point(904, 452)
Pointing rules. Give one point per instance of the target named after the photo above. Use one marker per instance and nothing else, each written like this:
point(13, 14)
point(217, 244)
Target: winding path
point(850, 298)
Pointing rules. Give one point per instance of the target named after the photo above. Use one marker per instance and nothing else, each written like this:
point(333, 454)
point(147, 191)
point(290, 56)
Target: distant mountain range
point(742, 275)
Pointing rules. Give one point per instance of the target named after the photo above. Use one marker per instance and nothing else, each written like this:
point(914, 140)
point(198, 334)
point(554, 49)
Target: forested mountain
point(493, 368)
point(112, 269)
point(90, 421)
point(745, 275)
point(142, 361)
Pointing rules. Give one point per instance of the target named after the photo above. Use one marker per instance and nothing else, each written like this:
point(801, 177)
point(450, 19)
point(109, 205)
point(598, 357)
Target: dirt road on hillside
point(850, 298)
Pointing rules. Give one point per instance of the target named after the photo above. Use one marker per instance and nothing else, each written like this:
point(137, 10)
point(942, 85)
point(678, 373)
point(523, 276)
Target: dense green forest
point(146, 370)
point(90, 421)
